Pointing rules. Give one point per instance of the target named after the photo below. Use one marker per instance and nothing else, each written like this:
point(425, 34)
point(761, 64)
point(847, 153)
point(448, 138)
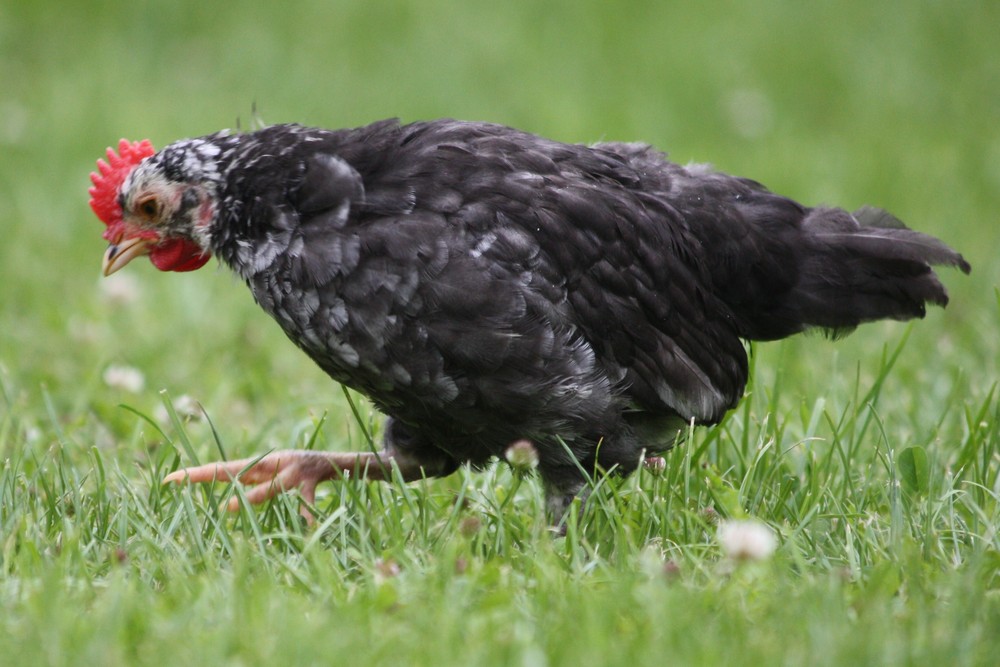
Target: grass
point(874, 459)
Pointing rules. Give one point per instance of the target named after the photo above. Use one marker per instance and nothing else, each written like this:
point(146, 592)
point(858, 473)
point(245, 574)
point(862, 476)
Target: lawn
point(874, 460)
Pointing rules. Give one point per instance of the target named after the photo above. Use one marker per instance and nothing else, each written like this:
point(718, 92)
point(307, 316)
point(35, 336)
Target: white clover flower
point(125, 378)
point(32, 434)
point(386, 569)
point(120, 288)
point(655, 464)
point(186, 407)
point(522, 456)
point(746, 540)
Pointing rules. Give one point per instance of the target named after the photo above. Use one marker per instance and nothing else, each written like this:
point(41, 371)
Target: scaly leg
point(285, 470)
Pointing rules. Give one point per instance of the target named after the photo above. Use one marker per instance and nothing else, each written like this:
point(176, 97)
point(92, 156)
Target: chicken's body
point(483, 285)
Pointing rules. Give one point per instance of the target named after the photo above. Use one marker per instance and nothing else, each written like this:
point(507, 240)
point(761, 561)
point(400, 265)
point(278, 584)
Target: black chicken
point(485, 286)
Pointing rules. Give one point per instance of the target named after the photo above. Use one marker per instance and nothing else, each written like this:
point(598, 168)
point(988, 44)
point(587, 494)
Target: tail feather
point(882, 234)
point(855, 268)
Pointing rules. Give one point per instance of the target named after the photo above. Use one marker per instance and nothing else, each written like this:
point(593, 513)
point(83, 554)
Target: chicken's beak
point(121, 253)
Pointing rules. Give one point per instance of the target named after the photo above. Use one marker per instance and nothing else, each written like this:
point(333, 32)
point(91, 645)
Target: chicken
point(486, 286)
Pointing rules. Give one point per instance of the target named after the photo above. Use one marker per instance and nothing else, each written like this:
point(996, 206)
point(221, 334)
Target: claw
point(278, 472)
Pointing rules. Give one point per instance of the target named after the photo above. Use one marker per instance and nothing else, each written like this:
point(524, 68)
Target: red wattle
point(178, 255)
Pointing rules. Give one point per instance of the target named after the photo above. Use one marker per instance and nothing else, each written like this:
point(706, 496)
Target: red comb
point(104, 193)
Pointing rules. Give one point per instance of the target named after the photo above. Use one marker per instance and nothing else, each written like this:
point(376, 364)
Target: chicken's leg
point(285, 470)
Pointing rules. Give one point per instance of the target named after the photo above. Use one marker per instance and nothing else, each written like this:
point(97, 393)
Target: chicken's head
point(148, 212)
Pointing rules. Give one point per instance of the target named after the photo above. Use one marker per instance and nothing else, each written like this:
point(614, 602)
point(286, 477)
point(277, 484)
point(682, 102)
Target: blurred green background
point(853, 102)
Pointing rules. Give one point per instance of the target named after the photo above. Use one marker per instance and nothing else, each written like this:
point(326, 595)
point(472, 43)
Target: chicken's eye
point(148, 208)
